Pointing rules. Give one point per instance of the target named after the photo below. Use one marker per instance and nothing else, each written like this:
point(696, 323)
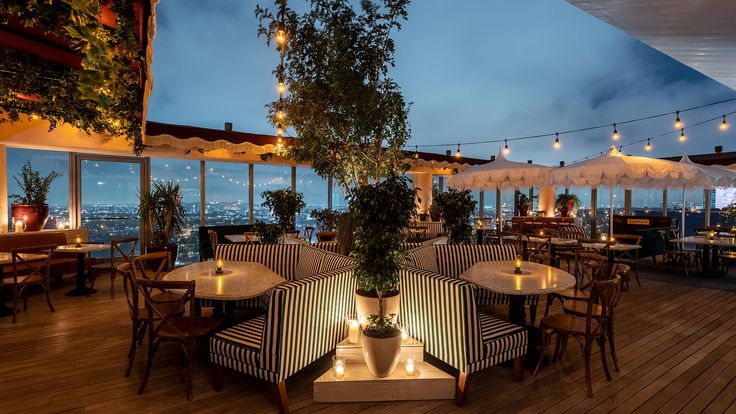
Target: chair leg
point(281, 398)
point(48, 299)
point(151, 350)
point(132, 349)
point(558, 346)
point(463, 384)
point(218, 377)
point(15, 302)
point(190, 371)
point(543, 342)
point(519, 368)
point(602, 345)
point(586, 352)
point(112, 284)
point(612, 343)
point(636, 272)
point(532, 314)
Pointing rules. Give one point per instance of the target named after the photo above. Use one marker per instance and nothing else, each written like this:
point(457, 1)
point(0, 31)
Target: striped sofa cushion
point(280, 258)
point(571, 232)
point(405, 247)
point(500, 337)
point(241, 342)
point(309, 263)
point(334, 261)
point(330, 246)
point(423, 258)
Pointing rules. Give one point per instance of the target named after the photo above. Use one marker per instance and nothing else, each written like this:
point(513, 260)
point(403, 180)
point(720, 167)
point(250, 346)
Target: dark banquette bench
point(61, 263)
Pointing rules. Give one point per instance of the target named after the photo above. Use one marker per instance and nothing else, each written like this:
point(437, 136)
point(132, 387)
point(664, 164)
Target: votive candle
point(339, 367)
point(409, 366)
point(353, 331)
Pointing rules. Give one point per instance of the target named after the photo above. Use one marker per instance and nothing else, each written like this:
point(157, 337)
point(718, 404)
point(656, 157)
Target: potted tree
point(456, 208)
point(284, 205)
point(381, 212)
point(567, 204)
point(326, 219)
point(522, 204)
point(268, 233)
point(30, 206)
point(162, 214)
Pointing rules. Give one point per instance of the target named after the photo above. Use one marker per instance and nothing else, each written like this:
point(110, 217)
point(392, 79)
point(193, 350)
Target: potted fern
point(162, 214)
point(567, 204)
point(30, 206)
point(381, 212)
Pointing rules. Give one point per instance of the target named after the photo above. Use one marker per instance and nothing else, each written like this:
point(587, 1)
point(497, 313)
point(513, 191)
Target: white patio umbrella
point(615, 170)
point(500, 174)
point(708, 177)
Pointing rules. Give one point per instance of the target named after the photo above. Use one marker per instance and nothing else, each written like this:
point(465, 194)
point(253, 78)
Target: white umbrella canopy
point(711, 176)
point(501, 174)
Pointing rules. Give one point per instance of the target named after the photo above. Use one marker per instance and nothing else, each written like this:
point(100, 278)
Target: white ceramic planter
point(366, 306)
point(381, 354)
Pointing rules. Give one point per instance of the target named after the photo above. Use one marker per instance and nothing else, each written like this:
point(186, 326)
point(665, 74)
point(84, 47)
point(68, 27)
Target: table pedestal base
point(83, 291)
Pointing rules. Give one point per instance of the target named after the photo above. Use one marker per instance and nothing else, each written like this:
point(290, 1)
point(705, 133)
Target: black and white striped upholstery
point(309, 263)
point(453, 259)
point(305, 320)
point(571, 232)
point(405, 247)
point(280, 258)
point(441, 312)
point(330, 246)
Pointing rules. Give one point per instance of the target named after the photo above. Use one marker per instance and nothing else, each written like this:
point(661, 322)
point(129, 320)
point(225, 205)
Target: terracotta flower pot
point(564, 211)
point(366, 306)
point(523, 211)
point(35, 215)
point(381, 354)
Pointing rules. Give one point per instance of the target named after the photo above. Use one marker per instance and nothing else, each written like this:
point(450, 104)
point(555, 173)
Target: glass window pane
point(339, 197)
point(314, 189)
point(44, 162)
point(268, 177)
point(489, 204)
point(694, 208)
point(226, 193)
point(646, 202)
point(186, 174)
point(604, 205)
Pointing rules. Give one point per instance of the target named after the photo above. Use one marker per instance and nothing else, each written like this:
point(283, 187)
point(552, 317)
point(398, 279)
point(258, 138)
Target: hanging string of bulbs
point(281, 85)
point(557, 144)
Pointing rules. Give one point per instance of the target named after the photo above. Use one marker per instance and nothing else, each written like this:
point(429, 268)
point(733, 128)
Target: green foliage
point(161, 211)
point(348, 113)
point(35, 189)
point(564, 199)
point(523, 200)
point(381, 327)
point(380, 211)
point(104, 96)
point(728, 212)
point(268, 233)
point(326, 219)
point(284, 204)
point(456, 208)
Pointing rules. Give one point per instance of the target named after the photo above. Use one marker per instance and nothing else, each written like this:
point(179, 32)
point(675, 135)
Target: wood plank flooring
point(676, 347)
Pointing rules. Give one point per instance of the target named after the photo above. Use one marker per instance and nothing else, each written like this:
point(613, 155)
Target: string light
point(682, 135)
point(281, 87)
point(648, 147)
point(505, 147)
point(557, 141)
point(280, 115)
point(678, 123)
point(458, 154)
point(724, 124)
point(281, 37)
point(280, 131)
point(416, 152)
point(615, 133)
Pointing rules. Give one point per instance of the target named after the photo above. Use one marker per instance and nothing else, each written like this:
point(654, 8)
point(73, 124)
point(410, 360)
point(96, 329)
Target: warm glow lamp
point(505, 147)
point(678, 123)
point(557, 141)
point(682, 135)
point(615, 133)
point(724, 124)
point(219, 264)
point(648, 147)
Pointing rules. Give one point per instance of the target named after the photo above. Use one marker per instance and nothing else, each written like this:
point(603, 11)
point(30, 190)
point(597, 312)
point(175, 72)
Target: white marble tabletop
point(7, 258)
point(618, 247)
point(559, 241)
point(240, 280)
point(718, 241)
point(240, 238)
point(535, 278)
point(83, 248)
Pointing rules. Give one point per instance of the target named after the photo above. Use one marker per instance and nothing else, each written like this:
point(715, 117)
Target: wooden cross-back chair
point(251, 237)
point(164, 327)
point(152, 265)
point(213, 242)
point(628, 257)
point(308, 233)
point(292, 233)
point(515, 239)
point(587, 329)
point(30, 268)
point(542, 252)
point(121, 250)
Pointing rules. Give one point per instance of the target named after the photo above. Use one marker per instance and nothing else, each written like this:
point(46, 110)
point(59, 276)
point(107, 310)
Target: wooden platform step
point(358, 384)
point(353, 353)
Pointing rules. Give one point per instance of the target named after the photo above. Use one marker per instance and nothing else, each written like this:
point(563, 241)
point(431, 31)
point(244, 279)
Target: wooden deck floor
point(677, 352)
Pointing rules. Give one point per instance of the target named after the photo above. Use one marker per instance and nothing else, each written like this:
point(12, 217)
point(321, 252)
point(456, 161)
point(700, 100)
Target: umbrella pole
point(682, 217)
point(610, 213)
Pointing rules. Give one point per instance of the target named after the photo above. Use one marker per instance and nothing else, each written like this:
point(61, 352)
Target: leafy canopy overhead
point(348, 114)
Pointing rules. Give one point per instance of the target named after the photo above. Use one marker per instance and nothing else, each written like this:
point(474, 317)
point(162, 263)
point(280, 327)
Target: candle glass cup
point(338, 366)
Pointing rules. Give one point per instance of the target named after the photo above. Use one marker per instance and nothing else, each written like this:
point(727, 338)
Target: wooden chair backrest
point(213, 239)
point(326, 236)
point(250, 237)
point(152, 266)
point(308, 233)
point(130, 287)
point(634, 239)
point(605, 293)
point(292, 233)
point(158, 307)
point(24, 269)
point(516, 239)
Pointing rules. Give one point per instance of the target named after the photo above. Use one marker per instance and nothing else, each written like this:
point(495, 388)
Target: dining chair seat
point(24, 280)
point(572, 294)
point(202, 325)
point(579, 308)
point(568, 324)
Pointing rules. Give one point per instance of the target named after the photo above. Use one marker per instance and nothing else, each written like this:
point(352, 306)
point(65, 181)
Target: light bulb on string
point(505, 147)
point(279, 115)
point(557, 141)
point(280, 131)
point(458, 154)
point(615, 133)
point(648, 147)
point(281, 37)
point(724, 124)
point(682, 135)
point(678, 123)
point(416, 152)
point(281, 87)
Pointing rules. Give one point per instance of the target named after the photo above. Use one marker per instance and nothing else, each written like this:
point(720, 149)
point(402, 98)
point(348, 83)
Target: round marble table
point(535, 279)
point(238, 281)
point(82, 251)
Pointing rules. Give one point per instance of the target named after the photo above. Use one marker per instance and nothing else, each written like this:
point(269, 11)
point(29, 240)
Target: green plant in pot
point(268, 233)
point(30, 207)
point(567, 204)
point(522, 204)
point(456, 208)
point(284, 205)
point(381, 212)
point(162, 214)
point(326, 219)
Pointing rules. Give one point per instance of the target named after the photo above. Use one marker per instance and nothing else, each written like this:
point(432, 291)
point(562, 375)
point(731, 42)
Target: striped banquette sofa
point(441, 310)
point(304, 320)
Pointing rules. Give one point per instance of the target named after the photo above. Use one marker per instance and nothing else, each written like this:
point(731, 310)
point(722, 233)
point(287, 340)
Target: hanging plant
point(105, 96)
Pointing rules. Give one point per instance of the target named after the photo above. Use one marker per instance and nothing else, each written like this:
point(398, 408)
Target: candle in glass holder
point(60, 226)
point(338, 364)
point(409, 366)
point(541, 232)
point(603, 237)
point(404, 333)
point(517, 265)
point(18, 226)
point(219, 264)
point(79, 241)
point(353, 331)
point(711, 234)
